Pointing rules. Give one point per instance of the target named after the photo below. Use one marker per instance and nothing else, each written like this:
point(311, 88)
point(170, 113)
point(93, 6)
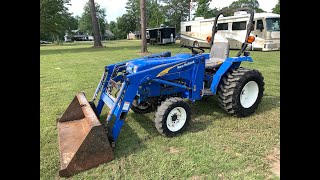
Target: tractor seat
point(219, 52)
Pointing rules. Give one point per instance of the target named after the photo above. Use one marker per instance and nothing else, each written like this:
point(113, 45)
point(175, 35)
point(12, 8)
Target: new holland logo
point(166, 71)
point(186, 64)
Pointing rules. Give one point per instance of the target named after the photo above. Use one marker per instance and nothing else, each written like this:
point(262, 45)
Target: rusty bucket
point(83, 142)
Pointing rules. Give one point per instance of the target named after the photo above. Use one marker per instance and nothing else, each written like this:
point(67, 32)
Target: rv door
point(159, 37)
point(258, 33)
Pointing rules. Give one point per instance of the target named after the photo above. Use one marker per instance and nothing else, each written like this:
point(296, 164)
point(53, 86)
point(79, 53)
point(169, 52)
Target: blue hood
point(141, 64)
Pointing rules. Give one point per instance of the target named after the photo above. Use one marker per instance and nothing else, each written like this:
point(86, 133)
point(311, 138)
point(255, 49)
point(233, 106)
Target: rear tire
point(172, 117)
point(240, 91)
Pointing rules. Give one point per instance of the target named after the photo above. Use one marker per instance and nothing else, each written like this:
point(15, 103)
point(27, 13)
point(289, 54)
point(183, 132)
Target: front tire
point(172, 117)
point(141, 108)
point(240, 91)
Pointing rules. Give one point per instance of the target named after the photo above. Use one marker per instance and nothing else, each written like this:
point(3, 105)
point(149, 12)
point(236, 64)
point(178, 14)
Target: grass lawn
point(214, 146)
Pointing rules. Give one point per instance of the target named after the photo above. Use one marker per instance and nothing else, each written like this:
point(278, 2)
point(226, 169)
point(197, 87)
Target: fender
point(232, 62)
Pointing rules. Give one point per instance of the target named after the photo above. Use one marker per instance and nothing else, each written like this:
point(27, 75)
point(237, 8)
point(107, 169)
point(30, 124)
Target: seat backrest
point(219, 52)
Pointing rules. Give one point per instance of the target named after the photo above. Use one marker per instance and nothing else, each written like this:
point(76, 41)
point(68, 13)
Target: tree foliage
point(155, 13)
point(176, 11)
point(276, 8)
point(54, 18)
point(85, 21)
point(253, 4)
point(203, 9)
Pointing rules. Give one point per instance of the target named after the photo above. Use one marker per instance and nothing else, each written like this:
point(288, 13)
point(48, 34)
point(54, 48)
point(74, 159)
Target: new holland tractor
point(162, 83)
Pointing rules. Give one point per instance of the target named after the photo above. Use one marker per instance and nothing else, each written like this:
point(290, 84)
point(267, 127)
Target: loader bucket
point(83, 142)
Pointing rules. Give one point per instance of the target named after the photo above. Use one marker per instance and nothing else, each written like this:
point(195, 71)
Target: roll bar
point(249, 26)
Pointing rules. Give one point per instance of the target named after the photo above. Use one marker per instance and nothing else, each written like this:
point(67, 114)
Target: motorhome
point(266, 31)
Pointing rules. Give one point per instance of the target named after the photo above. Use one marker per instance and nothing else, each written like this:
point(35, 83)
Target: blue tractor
point(162, 83)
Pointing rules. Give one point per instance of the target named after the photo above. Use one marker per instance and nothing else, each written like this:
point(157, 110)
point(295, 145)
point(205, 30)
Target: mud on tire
point(240, 91)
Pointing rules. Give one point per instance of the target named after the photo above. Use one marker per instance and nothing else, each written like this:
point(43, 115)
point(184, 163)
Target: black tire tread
point(162, 110)
point(228, 86)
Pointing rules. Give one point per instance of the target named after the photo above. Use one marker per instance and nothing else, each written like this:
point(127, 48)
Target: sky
point(116, 8)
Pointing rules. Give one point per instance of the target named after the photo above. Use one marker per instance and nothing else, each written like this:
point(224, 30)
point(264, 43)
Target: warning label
point(126, 106)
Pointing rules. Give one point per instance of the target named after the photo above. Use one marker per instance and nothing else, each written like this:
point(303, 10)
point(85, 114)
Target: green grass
point(214, 146)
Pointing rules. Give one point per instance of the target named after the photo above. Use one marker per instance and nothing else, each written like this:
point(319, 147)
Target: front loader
point(162, 83)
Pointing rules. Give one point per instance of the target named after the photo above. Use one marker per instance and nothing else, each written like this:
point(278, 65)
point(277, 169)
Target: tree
point(73, 22)
point(143, 26)
point(95, 25)
point(203, 9)
point(124, 25)
point(133, 14)
point(253, 4)
point(113, 27)
point(53, 18)
point(85, 21)
point(176, 11)
point(155, 14)
point(276, 8)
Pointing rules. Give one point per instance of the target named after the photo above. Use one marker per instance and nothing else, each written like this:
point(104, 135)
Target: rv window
point(239, 25)
point(223, 26)
point(188, 28)
point(258, 24)
point(273, 24)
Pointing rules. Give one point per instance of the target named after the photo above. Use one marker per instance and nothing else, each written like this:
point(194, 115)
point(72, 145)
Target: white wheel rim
point(176, 119)
point(249, 94)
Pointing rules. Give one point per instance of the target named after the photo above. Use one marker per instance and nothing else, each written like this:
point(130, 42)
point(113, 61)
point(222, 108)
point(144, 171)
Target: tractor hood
point(141, 64)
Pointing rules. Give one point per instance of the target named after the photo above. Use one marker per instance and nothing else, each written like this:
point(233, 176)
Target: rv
point(266, 31)
point(161, 35)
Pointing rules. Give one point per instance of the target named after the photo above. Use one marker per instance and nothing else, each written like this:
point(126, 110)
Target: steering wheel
point(194, 52)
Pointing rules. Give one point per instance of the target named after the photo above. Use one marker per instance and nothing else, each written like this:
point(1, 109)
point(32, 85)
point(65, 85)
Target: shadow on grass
point(86, 49)
point(268, 103)
point(107, 48)
point(208, 106)
point(129, 142)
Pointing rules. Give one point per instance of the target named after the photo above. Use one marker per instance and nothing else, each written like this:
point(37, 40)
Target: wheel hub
point(249, 94)
point(176, 119)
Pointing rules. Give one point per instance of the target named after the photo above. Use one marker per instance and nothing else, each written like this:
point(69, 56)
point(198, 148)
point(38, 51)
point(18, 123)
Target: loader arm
point(128, 85)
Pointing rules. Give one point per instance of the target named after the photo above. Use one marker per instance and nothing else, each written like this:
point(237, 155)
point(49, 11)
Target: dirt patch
point(143, 54)
point(173, 150)
point(274, 161)
point(195, 177)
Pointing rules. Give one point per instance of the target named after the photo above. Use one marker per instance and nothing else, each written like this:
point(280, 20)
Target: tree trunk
point(143, 26)
point(95, 25)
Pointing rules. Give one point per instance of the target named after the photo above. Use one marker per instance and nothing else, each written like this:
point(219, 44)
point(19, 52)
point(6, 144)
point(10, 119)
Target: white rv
point(266, 30)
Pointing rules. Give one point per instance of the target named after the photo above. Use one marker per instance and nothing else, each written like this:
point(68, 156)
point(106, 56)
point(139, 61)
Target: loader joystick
point(194, 52)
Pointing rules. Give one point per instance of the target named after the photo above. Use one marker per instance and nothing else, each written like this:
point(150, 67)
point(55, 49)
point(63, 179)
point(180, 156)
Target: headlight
point(129, 69)
point(135, 68)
